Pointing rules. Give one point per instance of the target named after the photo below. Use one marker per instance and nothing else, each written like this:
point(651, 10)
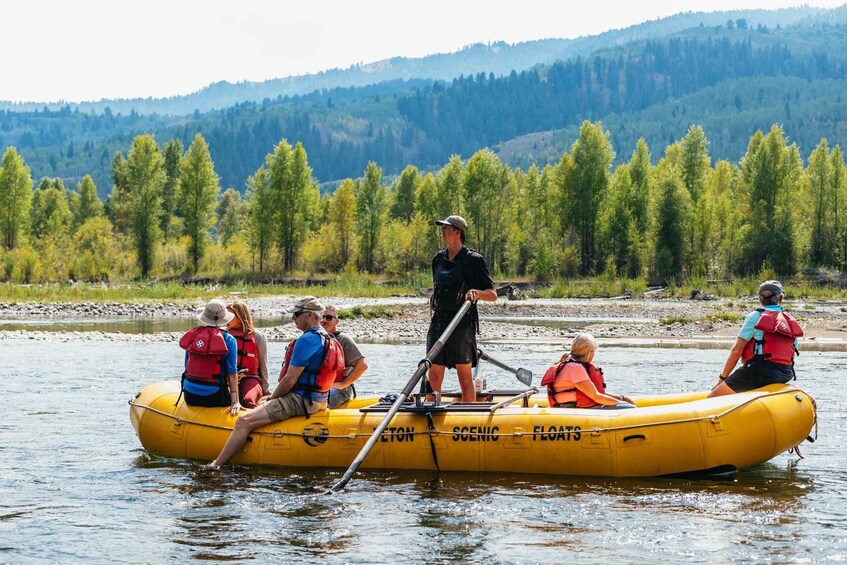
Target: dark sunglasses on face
point(329, 317)
point(298, 313)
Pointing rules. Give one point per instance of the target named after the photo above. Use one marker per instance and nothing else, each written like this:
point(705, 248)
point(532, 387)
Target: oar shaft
point(401, 398)
point(508, 401)
point(485, 357)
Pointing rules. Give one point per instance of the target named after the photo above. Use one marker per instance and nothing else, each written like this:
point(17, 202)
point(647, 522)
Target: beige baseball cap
point(457, 222)
point(307, 303)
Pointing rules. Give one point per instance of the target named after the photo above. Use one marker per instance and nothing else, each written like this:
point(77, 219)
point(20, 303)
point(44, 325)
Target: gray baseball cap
point(457, 222)
point(770, 288)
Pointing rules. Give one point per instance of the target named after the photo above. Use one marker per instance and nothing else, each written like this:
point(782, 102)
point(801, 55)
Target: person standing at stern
point(458, 274)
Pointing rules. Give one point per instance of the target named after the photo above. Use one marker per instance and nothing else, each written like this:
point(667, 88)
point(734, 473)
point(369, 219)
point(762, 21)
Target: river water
point(76, 486)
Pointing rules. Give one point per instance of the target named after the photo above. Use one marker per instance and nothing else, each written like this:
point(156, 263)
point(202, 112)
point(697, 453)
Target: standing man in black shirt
point(458, 274)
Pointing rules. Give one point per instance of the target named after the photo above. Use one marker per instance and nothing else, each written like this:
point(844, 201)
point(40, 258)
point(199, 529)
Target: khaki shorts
point(290, 405)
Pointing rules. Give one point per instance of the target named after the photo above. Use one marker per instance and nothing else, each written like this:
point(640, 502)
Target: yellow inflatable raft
point(664, 435)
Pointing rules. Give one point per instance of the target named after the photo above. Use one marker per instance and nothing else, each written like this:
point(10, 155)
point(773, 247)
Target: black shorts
point(460, 348)
point(749, 377)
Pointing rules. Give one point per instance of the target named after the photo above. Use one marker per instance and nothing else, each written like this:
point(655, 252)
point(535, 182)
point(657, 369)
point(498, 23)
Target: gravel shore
point(405, 319)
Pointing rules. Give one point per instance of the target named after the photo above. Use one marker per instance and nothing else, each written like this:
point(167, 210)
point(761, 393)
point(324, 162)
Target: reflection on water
point(76, 487)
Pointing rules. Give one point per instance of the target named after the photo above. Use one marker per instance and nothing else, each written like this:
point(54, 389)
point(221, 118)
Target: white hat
point(215, 314)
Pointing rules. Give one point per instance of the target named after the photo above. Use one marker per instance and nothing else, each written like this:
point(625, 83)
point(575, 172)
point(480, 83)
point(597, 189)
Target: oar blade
point(524, 376)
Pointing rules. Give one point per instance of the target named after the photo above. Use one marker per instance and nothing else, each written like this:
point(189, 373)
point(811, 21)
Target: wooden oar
point(401, 398)
point(523, 375)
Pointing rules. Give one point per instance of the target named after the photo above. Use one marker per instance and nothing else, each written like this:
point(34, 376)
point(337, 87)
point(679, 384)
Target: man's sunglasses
point(329, 317)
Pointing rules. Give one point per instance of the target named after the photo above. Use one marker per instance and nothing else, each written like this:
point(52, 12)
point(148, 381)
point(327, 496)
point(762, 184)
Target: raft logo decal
point(199, 343)
point(315, 434)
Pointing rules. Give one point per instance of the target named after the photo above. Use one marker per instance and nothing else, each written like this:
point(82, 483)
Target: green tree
point(586, 187)
point(117, 203)
point(172, 157)
point(89, 204)
point(822, 199)
point(370, 212)
point(728, 230)
point(50, 213)
point(769, 173)
point(261, 212)
point(15, 198)
point(94, 253)
point(230, 215)
point(671, 214)
point(342, 219)
point(489, 194)
point(403, 205)
point(197, 192)
point(640, 174)
point(616, 220)
point(426, 206)
point(293, 191)
point(839, 183)
point(450, 184)
point(145, 178)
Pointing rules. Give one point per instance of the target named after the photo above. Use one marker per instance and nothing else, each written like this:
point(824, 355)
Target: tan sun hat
point(215, 314)
point(307, 303)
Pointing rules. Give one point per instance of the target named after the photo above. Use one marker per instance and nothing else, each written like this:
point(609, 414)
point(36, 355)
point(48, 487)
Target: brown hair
point(242, 313)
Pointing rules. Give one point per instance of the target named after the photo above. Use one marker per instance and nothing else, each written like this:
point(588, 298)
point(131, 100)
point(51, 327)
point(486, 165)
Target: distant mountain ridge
point(497, 58)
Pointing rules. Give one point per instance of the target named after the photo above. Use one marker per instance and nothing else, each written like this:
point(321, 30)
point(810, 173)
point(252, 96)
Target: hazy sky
point(91, 49)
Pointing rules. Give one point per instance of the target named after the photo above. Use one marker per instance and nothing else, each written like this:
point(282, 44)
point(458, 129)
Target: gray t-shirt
point(351, 350)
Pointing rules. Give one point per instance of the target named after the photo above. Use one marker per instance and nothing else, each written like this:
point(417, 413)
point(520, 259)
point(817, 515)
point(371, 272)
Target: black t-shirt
point(452, 279)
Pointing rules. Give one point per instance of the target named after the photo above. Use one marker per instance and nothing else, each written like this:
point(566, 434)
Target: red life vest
point(248, 352)
point(207, 351)
point(330, 371)
point(777, 344)
point(558, 385)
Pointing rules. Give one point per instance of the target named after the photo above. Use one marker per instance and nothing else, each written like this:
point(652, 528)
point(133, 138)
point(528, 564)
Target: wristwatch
point(721, 377)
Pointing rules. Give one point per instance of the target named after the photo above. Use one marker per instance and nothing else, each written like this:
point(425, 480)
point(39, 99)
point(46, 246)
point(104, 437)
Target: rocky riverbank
point(665, 322)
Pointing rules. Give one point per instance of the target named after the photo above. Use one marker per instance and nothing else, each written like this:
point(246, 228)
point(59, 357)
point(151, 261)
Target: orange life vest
point(558, 385)
point(779, 331)
point(207, 351)
point(331, 369)
point(248, 352)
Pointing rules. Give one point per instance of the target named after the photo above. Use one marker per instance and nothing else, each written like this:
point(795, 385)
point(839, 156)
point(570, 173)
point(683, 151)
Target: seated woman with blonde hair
point(575, 382)
point(252, 356)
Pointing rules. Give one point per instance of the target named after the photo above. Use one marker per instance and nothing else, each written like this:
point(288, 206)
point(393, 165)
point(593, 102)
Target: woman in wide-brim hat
point(211, 359)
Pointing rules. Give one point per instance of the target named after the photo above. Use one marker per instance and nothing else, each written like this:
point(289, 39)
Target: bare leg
point(243, 426)
point(720, 389)
point(436, 377)
point(466, 382)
